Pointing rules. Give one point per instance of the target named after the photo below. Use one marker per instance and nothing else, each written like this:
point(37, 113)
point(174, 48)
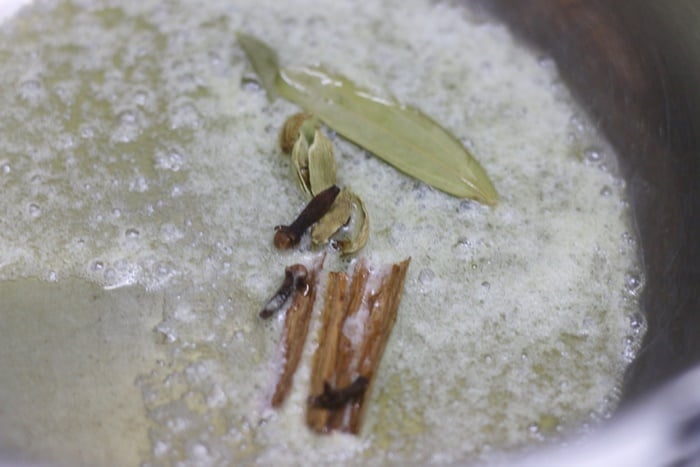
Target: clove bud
point(334, 399)
point(294, 278)
point(286, 236)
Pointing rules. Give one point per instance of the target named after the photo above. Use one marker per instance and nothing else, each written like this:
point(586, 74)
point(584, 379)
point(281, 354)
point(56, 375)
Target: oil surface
point(139, 155)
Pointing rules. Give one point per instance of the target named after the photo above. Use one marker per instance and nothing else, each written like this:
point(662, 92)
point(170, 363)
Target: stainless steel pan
point(635, 65)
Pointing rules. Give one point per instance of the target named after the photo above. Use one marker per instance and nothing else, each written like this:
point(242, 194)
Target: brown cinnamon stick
point(344, 370)
point(323, 367)
point(356, 328)
point(296, 327)
point(384, 307)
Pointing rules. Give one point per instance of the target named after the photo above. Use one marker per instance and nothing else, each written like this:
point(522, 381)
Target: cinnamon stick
point(323, 367)
point(296, 328)
point(343, 368)
point(353, 338)
point(384, 307)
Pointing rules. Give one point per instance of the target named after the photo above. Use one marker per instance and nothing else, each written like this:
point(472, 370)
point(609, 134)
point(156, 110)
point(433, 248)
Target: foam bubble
point(34, 210)
point(31, 90)
point(167, 175)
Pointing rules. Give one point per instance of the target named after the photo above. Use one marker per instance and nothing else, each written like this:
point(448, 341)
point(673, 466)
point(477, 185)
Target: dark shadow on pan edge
point(635, 66)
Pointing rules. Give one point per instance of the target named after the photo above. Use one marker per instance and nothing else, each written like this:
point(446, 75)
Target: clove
point(294, 278)
point(334, 399)
point(286, 236)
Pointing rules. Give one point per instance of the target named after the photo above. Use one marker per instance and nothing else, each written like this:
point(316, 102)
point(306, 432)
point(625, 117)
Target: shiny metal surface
point(635, 65)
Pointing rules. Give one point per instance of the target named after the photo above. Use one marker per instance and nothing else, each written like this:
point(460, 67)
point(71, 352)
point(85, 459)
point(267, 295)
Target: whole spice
point(294, 277)
point(324, 361)
point(346, 224)
point(401, 135)
point(333, 399)
point(263, 59)
point(357, 319)
point(313, 162)
point(296, 327)
point(286, 236)
point(292, 128)
point(383, 304)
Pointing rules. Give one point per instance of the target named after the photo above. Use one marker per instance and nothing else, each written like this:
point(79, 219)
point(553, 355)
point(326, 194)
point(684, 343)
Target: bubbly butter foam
point(138, 153)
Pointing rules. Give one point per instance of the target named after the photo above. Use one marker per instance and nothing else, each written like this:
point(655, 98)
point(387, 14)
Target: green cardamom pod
point(300, 164)
point(322, 165)
point(313, 162)
point(291, 128)
point(346, 224)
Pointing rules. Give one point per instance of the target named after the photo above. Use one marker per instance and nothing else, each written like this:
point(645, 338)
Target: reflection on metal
point(635, 66)
point(663, 429)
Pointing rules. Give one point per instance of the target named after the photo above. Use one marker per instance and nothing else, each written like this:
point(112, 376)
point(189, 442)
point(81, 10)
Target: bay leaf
point(400, 135)
point(264, 62)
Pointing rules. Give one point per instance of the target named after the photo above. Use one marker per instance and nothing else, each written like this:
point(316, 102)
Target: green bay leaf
point(263, 59)
point(401, 135)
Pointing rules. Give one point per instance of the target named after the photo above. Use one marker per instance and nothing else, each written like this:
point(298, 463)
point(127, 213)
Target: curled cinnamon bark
point(296, 328)
point(357, 323)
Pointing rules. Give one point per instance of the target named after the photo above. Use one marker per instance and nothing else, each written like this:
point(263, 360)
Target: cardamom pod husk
point(346, 224)
point(313, 162)
point(291, 128)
